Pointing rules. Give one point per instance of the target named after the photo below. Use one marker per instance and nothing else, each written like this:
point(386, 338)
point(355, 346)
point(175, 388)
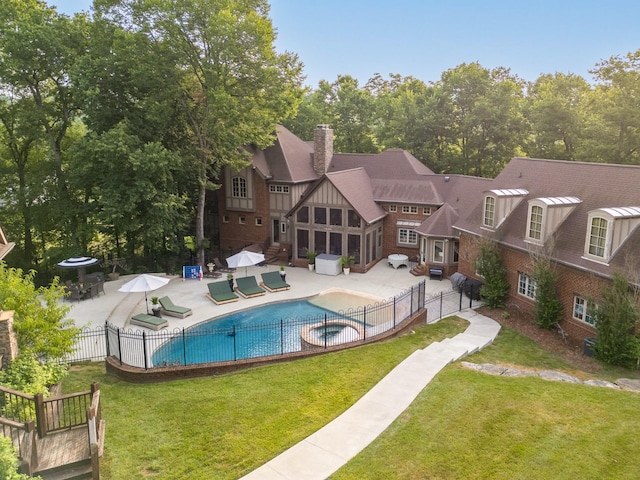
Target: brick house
point(297, 195)
point(581, 216)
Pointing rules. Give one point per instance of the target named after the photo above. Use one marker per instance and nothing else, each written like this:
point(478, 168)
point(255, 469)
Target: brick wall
point(8, 341)
point(233, 235)
point(571, 282)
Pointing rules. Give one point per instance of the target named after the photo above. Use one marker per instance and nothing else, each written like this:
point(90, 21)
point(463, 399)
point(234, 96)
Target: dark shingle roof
point(288, 160)
point(390, 164)
point(355, 186)
point(596, 185)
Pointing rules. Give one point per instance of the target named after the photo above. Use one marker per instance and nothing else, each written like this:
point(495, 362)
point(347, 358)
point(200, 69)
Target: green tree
point(40, 318)
point(489, 265)
point(556, 110)
point(548, 309)
point(616, 319)
point(233, 86)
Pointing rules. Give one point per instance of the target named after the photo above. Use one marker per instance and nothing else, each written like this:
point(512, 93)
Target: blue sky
point(424, 38)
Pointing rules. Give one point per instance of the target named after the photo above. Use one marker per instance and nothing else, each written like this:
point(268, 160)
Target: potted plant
point(283, 274)
point(230, 280)
point(155, 306)
point(311, 256)
point(347, 262)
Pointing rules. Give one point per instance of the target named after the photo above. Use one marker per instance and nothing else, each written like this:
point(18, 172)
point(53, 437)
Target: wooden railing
point(62, 412)
point(24, 439)
point(96, 433)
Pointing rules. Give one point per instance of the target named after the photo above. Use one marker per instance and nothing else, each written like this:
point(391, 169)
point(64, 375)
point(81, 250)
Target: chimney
point(322, 148)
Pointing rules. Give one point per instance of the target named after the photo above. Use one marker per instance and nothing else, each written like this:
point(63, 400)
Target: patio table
point(398, 259)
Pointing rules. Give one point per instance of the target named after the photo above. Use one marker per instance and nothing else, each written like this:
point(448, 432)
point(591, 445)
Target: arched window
point(239, 187)
point(489, 212)
point(598, 237)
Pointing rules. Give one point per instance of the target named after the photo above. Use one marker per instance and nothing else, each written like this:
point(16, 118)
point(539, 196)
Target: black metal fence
point(207, 343)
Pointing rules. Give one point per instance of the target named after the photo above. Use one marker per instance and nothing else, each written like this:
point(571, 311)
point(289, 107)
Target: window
point(580, 310)
point(259, 221)
point(409, 209)
point(526, 286)
point(535, 222)
point(489, 211)
point(225, 219)
point(426, 211)
point(438, 251)
point(335, 216)
point(353, 219)
point(279, 188)
point(239, 187)
point(303, 215)
point(302, 240)
point(408, 237)
point(320, 241)
point(320, 215)
point(242, 219)
point(456, 251)
point(393, 208)
point(598, 237)
point(283, 227)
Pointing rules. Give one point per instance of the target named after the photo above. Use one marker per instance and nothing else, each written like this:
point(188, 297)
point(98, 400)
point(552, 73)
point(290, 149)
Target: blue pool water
point(271, 329)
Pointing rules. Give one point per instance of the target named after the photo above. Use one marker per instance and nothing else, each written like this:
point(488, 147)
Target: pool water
point(272, 329)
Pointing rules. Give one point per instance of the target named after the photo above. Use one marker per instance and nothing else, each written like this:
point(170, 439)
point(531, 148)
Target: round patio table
point(398, 259)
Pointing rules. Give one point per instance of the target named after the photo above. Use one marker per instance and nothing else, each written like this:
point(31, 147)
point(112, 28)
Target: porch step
point(419, 270)
point(72, 471)
point(271, 255)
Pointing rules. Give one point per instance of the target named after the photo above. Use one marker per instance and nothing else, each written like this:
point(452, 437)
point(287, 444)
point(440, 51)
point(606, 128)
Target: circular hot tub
point(328, 334)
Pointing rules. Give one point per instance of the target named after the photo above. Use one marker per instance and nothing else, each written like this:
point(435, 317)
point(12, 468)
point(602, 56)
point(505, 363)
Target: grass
point(463, 425)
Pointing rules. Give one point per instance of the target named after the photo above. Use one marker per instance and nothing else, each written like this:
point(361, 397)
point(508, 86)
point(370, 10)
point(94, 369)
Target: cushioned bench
point(149, 321)
point(272, 281)
point(169, 308)
point(436, 272)
point(220, 293)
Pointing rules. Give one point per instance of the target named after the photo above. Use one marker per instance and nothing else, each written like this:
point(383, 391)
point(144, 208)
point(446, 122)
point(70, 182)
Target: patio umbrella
point(81, 263)
point(245, 259)
point(144, 283)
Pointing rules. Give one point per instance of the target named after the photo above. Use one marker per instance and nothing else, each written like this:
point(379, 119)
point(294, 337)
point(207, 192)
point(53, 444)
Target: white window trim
point(526, 286)
point(393, 208)
point(409, 233)
point(239, 187)
point(409, 209)
point(443, 243)
point(225, 219)
point(543, 214)
point(242, 220)
point(258, 221)
point(582, 304)
point(607, 239)
point(426, 210)
point(493, 213)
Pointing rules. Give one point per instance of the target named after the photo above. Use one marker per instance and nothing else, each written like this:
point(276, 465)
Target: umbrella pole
point(146, 304)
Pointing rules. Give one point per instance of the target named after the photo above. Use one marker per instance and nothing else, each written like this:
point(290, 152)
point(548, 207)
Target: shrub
point(616, 318)
point(548, 310)
point(489, 265)
point(9, 462)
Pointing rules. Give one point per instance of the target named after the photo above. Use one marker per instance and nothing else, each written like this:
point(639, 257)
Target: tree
point(555, 109)
point(233, 86)
point(41, 322)
point(616, 319)
point(489, 265)
point(548, 310)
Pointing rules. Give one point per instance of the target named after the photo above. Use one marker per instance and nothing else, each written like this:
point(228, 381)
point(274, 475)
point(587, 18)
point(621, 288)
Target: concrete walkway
point(328, 449)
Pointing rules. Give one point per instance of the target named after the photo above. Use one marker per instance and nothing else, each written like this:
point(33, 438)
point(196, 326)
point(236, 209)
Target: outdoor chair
point(149, 321)
point(74, 292)
point(248, 287)
point(220, 267)
point(272, 281)
point(220, 292)
point(169, 308)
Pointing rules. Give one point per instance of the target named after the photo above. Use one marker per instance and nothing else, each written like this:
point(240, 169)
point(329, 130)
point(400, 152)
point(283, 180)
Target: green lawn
point(463, 425)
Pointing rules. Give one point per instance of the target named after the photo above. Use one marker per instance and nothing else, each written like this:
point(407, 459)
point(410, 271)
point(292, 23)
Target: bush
point(548, 310)
point(9, 462)
point(28, 375)
point(489, 264)
point(616, 318)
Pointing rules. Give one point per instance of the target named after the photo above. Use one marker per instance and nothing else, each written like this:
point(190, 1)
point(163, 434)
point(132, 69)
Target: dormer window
point(489, 211)
point(608, 229)
point(545, 216)
point(498, 205)
point(598, 237)
point(535, 222)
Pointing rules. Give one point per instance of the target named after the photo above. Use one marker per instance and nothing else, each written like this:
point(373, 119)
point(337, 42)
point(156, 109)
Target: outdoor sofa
point(272, 281)
point(220, 292)
point(149, 321)
point(248, 287)
point(169, 308)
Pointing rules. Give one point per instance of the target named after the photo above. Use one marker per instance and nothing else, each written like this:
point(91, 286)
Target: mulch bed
point(550, 340)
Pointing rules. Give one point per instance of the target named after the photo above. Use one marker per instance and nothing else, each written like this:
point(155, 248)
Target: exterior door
point(275, 232)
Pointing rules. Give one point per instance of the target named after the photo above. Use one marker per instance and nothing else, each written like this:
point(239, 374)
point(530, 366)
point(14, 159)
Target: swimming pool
point(272, 329)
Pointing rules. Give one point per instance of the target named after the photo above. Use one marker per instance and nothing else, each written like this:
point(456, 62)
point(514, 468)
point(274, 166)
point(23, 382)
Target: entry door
point(275, 232)
point(423, 251)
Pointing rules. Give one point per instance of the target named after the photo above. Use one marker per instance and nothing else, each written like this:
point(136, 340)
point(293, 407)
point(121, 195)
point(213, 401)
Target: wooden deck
point(62, 448)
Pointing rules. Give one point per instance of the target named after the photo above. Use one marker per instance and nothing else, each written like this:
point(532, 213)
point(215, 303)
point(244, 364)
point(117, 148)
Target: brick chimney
point(322, 148)
point(8, 341)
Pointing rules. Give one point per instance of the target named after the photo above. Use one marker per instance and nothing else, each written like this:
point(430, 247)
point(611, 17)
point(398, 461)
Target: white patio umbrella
point(245, 259)
point(81, 263)
point(144, 283)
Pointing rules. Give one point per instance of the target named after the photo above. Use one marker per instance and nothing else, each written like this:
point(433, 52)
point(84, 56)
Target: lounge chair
point(220, 292)
point(220, 267)
point(248, 287)
point(272, 281)
point(169, 308)
point(149, 321)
